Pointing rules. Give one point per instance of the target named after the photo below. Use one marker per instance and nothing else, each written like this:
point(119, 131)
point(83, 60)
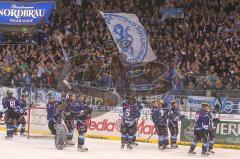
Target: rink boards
point(107, 126)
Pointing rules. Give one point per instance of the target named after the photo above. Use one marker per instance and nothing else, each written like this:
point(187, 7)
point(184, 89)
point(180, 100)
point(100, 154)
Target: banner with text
point(227, 132)
point(19, 13)
point(229, 105)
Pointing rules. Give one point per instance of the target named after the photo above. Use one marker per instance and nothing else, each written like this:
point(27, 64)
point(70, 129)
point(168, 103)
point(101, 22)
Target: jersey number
point(12, 104)
point(127, 113)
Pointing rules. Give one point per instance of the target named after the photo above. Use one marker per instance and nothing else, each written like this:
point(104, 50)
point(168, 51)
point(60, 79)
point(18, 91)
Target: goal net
point(37, 123)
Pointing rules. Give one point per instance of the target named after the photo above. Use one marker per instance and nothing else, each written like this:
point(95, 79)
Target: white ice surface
point(22, 148)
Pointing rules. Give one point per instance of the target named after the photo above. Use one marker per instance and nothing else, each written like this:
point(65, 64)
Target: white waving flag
point(131, 38)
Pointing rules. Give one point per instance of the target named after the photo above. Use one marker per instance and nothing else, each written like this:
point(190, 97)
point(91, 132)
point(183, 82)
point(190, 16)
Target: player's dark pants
point(21, 121)
point(173, 127)
point(162, 131)
point(135, 132)
point(211, 137)
point(51, 124)
point(127, 133)
point(82, 129)
point(198, 136)
point(10, 120)
point(69, 121)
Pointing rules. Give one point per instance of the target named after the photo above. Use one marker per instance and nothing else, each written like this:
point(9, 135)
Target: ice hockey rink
point(23, 148)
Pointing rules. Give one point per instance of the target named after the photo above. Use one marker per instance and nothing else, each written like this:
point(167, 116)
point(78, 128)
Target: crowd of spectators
point(203, 48)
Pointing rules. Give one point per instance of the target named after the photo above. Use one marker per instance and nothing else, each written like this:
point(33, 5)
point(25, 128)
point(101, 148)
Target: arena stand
point(198, 55)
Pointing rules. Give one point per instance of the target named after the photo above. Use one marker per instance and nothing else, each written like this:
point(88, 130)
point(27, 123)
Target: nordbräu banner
point(19, 13)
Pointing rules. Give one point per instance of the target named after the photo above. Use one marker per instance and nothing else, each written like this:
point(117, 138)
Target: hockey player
point(55, 116)
point(212, 129)
point(129, 119)
point(140, 106)
point(160, 120)
point(11, 108)
point(201, 129)
point(21, 116)
point(69, 119)
point(174, 116)
point(52, 113)
point(82, 112)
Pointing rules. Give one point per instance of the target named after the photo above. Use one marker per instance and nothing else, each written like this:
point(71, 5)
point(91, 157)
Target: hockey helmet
point(173, 101)
point(9, 93)
point(24, 94)
point(209, 105)
point(161, 101)
point(74, 96)
point(130, 98)
point(51, 96)
point(204, 105)
point(82, 96)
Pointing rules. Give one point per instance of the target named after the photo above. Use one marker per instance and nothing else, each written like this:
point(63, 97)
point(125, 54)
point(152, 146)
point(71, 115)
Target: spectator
point(203, 46)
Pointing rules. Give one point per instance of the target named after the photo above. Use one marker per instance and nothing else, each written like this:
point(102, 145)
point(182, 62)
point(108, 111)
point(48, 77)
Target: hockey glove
point(88, 111)
point(182, 117)
point(216, 120)
point(25, 113)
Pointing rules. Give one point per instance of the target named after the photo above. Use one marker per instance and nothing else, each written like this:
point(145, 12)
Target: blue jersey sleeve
point(4, 102)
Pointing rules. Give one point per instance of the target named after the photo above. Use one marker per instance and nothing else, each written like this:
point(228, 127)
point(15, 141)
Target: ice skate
point(23, 135)
point(122, 146)
point(129, 147)
point(8, 137)
point(191, 152)
point(134, 144)
point(211, 152)
point(205, 154)
point(174, 146)
point(81, 148)
point(59, 147)
point(167, 147)
point(70, 143)
point(161, 147)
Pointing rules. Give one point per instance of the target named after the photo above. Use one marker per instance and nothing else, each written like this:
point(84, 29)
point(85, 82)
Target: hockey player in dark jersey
point(55, 116)
point(21, 116)
point(140, 106)
point(11, 108)
point(52, 113)
point(69, 118)
point(174, 115)
point(129, 119)
point(212, 127)
point(201, 128)
point(160, 120)
point(82, 112)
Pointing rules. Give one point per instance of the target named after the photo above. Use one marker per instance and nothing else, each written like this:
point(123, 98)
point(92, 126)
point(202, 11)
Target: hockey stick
point(67, 84)
point(219, 110)
point(152, 134)
point(217, 106)
point(25, 111)
point(138, 132)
